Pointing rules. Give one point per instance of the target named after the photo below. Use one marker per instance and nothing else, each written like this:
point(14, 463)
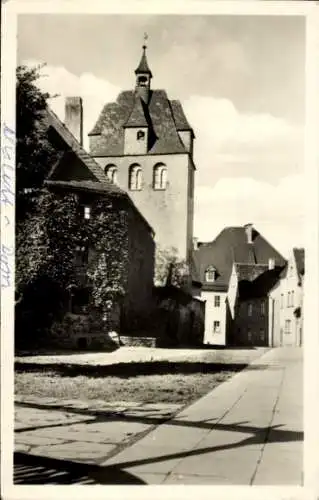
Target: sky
point(242, 86)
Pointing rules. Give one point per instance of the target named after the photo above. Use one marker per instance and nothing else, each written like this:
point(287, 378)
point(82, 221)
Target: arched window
point(210, 274)
point(135, 178)
point(160, 176)
point(111, 173)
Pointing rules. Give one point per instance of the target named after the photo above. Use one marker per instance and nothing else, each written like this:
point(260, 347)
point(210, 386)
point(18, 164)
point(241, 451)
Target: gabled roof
point(73, 147)
point(299, 255)
point(249, 272)
point(257, 281)
point(165, 118)
point(137, 117)
point(179, 116)
point(231, 246)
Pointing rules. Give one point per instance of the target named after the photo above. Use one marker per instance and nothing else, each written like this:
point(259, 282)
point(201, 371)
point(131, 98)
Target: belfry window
point(135, 178)
point(142, 81)
point(111, 173)
point(210, 274)
point(160, 176)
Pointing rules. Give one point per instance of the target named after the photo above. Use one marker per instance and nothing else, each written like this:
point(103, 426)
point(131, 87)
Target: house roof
point(256, 281)
point(166, 118)
point(73, 147)
point(93, 180)
point(299, 255)
point(228, 247)
point(137, 117)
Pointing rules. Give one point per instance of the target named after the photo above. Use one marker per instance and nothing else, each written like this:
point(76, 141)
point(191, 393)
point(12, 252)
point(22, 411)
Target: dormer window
point(140, 135)
point(87, 213)
point(210, 274)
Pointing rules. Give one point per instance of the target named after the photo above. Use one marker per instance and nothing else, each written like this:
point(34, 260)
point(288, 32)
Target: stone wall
point(138, 300)
point(138, 341)
point(77, 331)
point(168, 211)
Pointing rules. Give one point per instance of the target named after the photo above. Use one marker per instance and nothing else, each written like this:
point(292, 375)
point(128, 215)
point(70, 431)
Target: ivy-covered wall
point(119, 271)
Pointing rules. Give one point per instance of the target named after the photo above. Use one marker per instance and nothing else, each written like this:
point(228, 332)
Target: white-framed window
point(160, 176)
point(281, 301)
point(217, 301)
point(288, 326)
point(210, 274)
point(111, 173)
point(288, 299)
point(292, 299)
point(87, 213)
point(216, 326)
point(135, 178)
point(250, 309)
point(262, 308)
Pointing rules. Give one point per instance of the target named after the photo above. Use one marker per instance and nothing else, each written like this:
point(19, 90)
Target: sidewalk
point(246, 431)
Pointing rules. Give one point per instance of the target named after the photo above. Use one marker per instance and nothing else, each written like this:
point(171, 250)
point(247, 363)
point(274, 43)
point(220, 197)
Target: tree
point(34, 153)
point(170, 268)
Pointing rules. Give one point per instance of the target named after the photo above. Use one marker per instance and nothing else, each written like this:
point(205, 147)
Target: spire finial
point(145, 40)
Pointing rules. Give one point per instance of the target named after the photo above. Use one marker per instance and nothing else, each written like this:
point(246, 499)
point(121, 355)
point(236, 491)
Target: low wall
point(138, 341)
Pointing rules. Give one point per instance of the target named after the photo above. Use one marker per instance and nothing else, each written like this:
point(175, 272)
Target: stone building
point(235, 280)
point(77, 172)
point(144, 144)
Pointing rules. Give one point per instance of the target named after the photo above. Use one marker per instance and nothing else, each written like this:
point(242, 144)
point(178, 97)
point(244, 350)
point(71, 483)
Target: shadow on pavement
point(35, 469)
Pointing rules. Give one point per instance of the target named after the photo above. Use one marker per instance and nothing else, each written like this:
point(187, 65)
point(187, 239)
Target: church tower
point(144, 143)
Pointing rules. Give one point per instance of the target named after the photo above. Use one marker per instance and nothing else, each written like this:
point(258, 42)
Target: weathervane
point(145, 40)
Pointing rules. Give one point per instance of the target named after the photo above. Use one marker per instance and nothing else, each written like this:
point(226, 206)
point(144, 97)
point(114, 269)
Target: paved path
point(246, 431)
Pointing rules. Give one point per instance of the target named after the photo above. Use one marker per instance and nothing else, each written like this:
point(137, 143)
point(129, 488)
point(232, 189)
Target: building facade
point(287, 302)
point(144, 144)
point(235, 278)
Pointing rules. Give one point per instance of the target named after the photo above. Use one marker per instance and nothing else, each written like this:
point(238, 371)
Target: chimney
point(74, 117)
point(249, 232)
point(271, 264)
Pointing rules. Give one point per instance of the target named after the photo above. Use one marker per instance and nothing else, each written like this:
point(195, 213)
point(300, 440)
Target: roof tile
point(159, 114)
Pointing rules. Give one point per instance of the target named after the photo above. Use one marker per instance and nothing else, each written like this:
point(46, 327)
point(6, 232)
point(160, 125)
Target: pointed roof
point(143, 67)
point(137, 117)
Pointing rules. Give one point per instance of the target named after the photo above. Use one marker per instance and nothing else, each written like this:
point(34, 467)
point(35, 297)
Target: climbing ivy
point(46, 250)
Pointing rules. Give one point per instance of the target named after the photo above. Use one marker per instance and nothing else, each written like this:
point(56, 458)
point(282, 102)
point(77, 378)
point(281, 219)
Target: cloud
point(277, 211)
point(94, 91)
point(262, 145)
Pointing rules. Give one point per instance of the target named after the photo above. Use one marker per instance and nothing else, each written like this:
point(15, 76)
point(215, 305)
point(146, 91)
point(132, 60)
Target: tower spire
point(143, 67)
point(143, 75)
